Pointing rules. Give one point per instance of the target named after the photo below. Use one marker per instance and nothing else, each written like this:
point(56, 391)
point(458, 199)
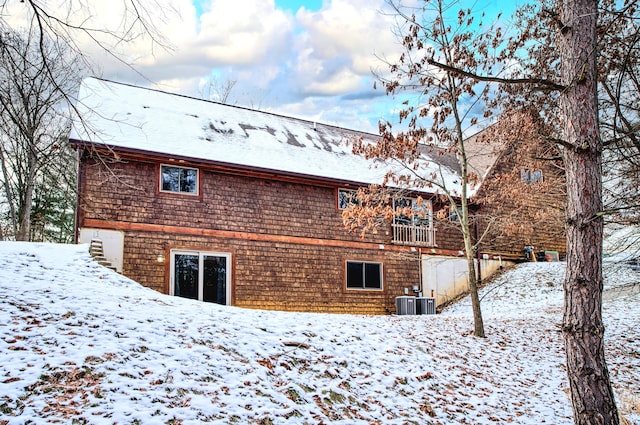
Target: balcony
point(408, 234)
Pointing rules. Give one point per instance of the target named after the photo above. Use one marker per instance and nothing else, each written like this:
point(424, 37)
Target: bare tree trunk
point(591, 393)
point(478, 323)
point(8, 192)
point(24, 229)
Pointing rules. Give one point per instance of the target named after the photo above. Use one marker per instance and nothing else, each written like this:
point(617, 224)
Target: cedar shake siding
point(287, 242)
point(240, 207)
point(532, 213)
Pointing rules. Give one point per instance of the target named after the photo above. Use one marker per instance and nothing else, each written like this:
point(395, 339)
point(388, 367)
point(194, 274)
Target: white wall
point(112, 244)
point(447, 277)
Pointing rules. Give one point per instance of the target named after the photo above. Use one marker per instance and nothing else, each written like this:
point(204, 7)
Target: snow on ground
point(81, 344)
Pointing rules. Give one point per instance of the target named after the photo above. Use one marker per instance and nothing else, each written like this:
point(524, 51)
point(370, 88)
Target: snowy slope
point(82, 344)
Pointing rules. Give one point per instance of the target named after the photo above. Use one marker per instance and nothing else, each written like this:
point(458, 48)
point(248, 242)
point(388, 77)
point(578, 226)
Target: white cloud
point(243, 32)
point(354, 29)
point(278, 59)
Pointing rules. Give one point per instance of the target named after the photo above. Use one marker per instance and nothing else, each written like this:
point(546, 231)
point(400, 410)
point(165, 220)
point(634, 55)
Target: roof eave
point(226, 166)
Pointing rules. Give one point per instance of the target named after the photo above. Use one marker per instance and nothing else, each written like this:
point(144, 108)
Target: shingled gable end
point(240, 207)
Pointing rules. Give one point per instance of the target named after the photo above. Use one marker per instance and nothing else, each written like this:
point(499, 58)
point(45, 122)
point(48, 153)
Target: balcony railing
point(407, 234)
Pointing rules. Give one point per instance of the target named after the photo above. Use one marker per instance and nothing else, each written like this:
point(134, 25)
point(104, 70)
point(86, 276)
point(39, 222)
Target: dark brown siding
point(287, 240)
point(278, 276)
point(524, 214)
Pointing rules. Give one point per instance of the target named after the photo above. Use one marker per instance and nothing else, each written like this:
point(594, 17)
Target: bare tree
point(74, 22)
point(619, 84)
point(219, 91)
point(557, 58)
point(33, 119)
point(437, 45)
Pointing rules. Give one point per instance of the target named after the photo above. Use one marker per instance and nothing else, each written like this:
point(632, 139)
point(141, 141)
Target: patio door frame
point(201, 255)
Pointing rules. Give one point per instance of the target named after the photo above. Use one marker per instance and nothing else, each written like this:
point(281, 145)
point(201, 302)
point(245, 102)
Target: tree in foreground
point(591, 392)
point(553, 60)
point(581, 40)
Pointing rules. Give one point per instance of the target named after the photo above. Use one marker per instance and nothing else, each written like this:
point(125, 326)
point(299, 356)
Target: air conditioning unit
point(405, 305)
point(425, 305)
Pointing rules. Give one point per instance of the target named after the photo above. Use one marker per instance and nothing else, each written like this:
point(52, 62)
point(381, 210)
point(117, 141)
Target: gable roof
point(482, 156)
point(142, 120)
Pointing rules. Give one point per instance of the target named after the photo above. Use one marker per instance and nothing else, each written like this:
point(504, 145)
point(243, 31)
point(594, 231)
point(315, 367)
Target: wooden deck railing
point(406, 234)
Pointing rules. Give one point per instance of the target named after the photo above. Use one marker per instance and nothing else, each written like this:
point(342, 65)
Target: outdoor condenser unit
point(425, 305)
point(405, 305)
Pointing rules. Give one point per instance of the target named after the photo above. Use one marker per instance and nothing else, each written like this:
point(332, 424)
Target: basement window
point(364, 275)
point(178, 179)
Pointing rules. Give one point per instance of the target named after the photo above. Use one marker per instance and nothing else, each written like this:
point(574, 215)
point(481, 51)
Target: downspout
point(80, 184)
point(420, 271)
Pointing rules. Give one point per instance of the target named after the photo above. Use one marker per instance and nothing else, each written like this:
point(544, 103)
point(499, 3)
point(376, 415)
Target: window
point(178, 179)
point(453, 213)
point(531, 176)
point(347, 197)
point(413, 222)
point(204, 276)
point(363, 275)
point(413, 212)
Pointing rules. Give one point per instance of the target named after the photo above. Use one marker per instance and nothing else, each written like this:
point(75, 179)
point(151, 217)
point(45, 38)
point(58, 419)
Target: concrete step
point(97, 253)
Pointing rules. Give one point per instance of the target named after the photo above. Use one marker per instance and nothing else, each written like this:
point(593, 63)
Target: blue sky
point(306, 58)
point(294, 5)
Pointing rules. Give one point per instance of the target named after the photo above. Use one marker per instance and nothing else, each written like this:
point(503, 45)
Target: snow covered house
point(242, 207)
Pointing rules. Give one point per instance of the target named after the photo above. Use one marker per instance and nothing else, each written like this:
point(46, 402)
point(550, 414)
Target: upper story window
point(531, 176)
point(412, 212)
point(453, 213)
point(178, 179)
point(413, 222)
point(347, 197)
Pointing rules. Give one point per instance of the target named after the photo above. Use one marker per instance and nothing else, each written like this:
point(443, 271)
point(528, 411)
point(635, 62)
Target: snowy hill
point(82, 344)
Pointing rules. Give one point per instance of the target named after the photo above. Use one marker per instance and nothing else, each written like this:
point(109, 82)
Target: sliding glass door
point(204, 276)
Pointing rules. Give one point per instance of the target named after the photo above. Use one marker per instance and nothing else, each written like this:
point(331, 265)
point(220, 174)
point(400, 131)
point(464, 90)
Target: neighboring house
point(522, 193)
point(241, 207)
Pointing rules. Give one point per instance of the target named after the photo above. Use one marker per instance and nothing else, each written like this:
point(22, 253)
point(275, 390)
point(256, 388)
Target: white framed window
point(531, 176)
point(201, 275)
point(347, 197)
point(179, 179)
point(364, 275)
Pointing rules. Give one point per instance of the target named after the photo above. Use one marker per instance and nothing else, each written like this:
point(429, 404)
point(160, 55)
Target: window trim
point(414, 218)
point(531, 175)
point(363, 288)
point(201, 254)
point(353, 193)
point(161, 190)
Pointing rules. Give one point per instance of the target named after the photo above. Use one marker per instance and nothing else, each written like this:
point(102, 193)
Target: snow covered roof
point(155, 122)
